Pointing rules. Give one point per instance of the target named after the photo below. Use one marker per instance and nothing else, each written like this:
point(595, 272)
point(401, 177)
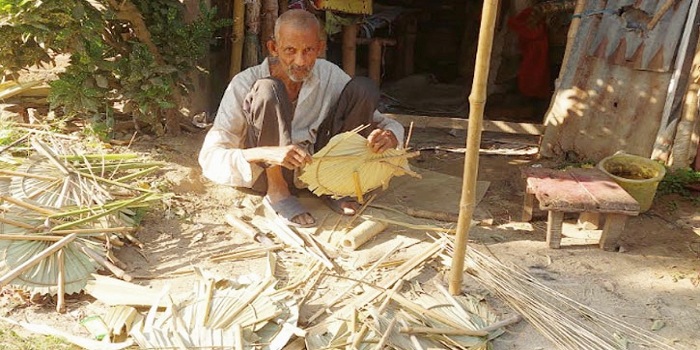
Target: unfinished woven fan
point(348, 167)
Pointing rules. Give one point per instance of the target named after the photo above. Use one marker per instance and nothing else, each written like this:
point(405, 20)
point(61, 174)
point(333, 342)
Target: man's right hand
point(290, 157)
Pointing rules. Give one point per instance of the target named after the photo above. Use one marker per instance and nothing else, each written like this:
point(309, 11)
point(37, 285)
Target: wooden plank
point(609, 196)
point(558, 190)
point(423, 121)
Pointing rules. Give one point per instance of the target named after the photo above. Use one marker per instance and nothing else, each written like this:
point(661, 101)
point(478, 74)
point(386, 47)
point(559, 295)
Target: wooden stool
point(586, 191)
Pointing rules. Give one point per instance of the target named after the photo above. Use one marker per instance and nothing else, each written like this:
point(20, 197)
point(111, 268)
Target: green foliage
point(676, 181)
point(110, 64)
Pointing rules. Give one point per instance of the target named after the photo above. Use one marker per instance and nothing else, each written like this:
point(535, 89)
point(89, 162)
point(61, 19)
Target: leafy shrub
point(135, 55)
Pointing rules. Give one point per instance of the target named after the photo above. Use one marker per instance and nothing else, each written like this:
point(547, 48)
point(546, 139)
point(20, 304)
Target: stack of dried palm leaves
point(242, 313)
point(347, 166)
point(62, 211)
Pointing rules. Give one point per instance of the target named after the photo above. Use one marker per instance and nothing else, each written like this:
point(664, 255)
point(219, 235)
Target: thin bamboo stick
point(101, 214)
point(657, 16)
point(8, 277)
point(386, 335)
point(26, 205)
point(238, 37)
point(61, 282)
point(444, 331)
point(28, 175)
point(477, 102)
point(16, 223)
point(31, 237)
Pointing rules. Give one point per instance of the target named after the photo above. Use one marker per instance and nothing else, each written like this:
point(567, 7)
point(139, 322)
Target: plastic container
point(639, 176)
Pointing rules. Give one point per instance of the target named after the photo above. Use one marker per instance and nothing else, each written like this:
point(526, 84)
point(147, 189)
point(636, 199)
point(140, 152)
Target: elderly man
point(275, 115)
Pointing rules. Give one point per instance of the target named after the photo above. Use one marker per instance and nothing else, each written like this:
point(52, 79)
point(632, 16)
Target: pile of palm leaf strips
point(62, 211)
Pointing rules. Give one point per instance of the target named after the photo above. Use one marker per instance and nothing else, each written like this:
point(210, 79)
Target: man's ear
point(272, 47)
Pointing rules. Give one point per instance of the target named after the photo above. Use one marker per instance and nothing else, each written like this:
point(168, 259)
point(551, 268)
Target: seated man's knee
point(363, 88)
point(268, 88)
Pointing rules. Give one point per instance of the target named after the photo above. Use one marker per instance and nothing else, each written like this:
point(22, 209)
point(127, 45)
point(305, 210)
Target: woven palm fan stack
point(347, 167)
point(61, 213)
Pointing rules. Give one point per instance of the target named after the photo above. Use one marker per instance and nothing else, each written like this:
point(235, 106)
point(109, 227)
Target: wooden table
point(586, 191)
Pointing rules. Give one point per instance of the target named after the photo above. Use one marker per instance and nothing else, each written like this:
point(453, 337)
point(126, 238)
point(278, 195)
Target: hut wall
point(610, 97)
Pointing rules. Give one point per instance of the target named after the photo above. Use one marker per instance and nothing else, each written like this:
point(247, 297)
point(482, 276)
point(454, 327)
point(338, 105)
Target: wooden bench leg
point(528, 203)
point(589, 221)
point(555, 219)
point(612, 230)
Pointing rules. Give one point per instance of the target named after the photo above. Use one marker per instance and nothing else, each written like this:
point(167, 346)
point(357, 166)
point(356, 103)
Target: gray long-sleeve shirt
point(221, 157)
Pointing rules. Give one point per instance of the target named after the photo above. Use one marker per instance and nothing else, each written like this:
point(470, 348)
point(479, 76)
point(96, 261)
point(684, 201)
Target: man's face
point(297, 50)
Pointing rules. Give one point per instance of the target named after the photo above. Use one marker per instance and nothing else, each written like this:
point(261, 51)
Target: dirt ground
point(655, 276)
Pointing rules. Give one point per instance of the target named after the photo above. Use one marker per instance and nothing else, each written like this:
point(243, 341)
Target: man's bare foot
point(344, 206)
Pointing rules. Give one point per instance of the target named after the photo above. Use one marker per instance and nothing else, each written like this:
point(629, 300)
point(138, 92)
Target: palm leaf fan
point(347, 166)
point(43, 277)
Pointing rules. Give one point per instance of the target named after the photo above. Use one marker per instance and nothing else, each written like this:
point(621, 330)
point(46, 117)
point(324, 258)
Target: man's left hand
point(382, 140)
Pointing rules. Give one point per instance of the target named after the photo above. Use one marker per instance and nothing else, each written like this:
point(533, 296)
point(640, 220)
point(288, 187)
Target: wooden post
point(375, 61)
point(477, 102)
point(409, 46)
point(612, 230)
point(36, 259)
point(238, 37)
point(528, 204)
point(252, 34)
point(555, 219)
point(269, 10)
point(349, 48)
point(283, 6)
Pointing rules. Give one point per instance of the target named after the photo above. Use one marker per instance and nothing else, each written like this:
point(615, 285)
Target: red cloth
point(533, 74)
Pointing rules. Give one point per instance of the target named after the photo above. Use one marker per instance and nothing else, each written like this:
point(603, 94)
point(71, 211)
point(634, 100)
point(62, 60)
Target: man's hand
point(290, 157)
point(382, 140)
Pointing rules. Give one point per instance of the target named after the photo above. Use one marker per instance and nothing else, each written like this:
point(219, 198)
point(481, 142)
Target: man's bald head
point(298, 19)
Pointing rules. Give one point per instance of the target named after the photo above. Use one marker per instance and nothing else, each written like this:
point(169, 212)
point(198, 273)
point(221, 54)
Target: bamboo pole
point(238, 37)
point(477, 102)
point(7, 278)
point(667, 127)
point(685, 143)
point(571, 35)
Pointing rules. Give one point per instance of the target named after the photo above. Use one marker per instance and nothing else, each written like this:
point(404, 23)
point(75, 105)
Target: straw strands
point(348, 167)
point(564, 321)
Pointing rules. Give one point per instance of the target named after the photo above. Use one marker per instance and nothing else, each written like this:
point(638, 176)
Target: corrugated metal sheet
point(622, 37)
point(600, 106)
